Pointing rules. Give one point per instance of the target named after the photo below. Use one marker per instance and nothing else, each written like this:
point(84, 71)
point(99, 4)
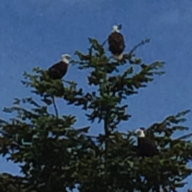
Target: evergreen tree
point(55, 156)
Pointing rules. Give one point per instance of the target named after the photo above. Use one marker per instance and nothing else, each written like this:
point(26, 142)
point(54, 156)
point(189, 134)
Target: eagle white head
point(116, 28)
point(66, 58)
point(140, 132)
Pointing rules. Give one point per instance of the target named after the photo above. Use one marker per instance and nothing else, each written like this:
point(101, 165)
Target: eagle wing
point(58, 70)
point(116, 43)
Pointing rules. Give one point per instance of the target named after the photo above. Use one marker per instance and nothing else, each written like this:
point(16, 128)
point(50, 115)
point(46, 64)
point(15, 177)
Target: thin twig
point(104, 42)
point(55, 107)
point(138, 45)
point(185, 136)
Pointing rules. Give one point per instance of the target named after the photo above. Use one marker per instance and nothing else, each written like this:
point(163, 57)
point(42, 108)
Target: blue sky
point(36, 32)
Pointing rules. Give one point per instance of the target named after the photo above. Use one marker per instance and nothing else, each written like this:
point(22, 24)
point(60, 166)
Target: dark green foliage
point(56, 156)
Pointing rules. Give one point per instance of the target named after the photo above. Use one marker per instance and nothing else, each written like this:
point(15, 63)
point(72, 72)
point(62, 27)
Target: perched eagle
point(146, 147)
point(116, 42)
point(58, 70)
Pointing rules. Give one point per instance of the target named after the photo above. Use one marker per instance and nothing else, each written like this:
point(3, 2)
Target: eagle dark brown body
point(116, 43)
point(145, 146)
point(58, 70)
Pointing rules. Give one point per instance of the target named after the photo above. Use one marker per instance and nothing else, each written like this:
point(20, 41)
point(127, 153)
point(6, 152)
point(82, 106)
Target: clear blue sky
point(36, 32)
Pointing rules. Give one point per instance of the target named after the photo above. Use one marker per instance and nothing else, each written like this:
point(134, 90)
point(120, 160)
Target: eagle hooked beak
point(119, 26)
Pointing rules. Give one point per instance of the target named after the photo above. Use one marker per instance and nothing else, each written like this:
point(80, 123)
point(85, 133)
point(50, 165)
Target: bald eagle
point(58, 70)
point(116, 42)
point(145, 146)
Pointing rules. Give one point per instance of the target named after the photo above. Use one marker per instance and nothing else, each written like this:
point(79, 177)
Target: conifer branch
point(143, 42)
point(185, 136)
